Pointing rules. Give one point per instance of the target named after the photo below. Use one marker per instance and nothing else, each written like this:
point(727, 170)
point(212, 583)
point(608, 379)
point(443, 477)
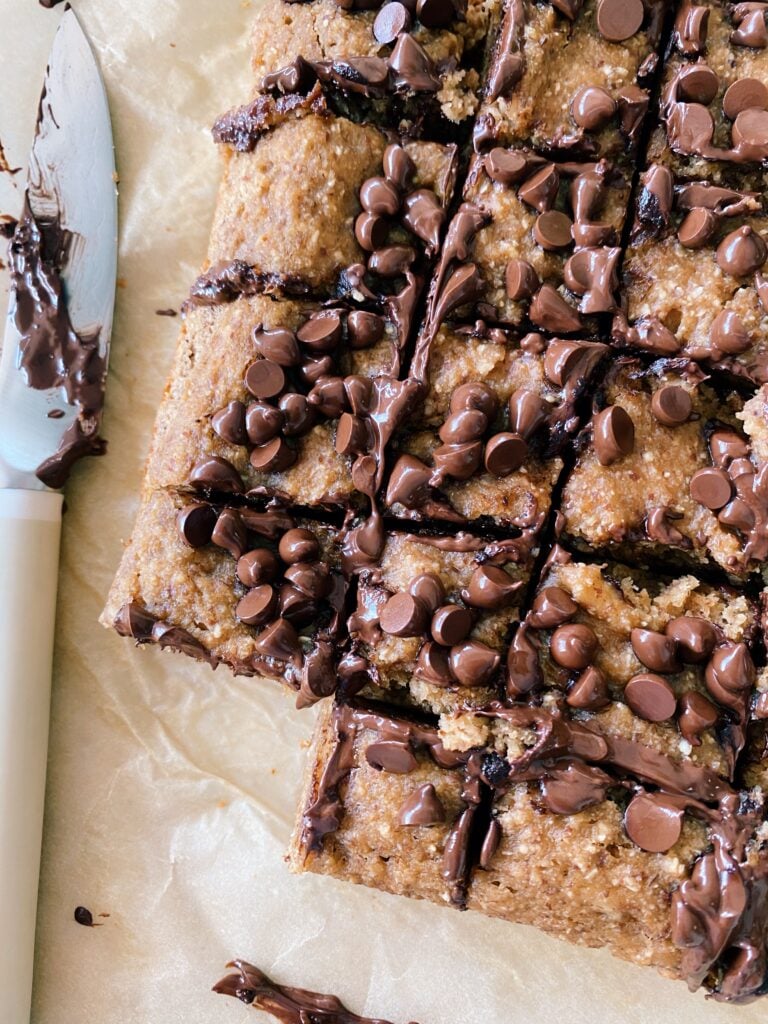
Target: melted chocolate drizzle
point(52, 354)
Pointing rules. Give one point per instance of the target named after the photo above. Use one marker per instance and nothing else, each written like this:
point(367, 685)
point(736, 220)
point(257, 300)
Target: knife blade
point(62, 260)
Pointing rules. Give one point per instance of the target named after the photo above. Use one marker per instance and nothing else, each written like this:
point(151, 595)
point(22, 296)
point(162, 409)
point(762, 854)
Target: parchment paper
point(171, 788)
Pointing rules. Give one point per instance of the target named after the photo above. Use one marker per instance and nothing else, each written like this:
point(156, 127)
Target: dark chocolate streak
point(287, 1004)
point(52, 354)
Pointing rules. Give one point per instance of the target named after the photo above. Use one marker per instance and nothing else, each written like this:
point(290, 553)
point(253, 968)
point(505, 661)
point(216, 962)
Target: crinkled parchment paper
point(172, 789)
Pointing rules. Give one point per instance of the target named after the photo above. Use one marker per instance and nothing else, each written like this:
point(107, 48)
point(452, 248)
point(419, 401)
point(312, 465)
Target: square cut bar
point(386, 805)
point(442, 59)
point(278, 399)
point(535, 243)
point(669, 470)
point(571, 78)
point(594, 838)
point(302, 203)
point(485, 442)
point(693, 275)
point(261, 592)
point(433, 618)
point(713, 116)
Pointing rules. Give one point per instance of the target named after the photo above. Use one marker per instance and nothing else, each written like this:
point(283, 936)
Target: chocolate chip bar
point(571, 78)
point(467, 438)
point(484, 444)
point(432, 620)
point(259, 591)
point(671, 470)
point(693, 275)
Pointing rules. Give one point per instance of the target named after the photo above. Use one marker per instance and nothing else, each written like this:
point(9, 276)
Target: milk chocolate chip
point(728, 333)
point(671, 405)
point(196, 523)
point(392, 19)
point(573, 646)
point(298, 545)
point(490, 588)
point(258, 607)
point(614, 435)
point(697, 714)
point(551, 607)
point(697, 228)
point(451, 624)
point(257, 566)
point(711, 487)
point(617, 20)
point(652, 823)
point(473, 663)
point(264, 378)
point(744, 94)
point(695, 638)
point(742, 252)
point(656, 651)
point(592, 107)
point(521, 280)
point(391, 756)
point(422, 808)
point(403, 615)
point(650, 697)
point(429, 590)
point(589, 692)
point(504, 454)
point(229, 423)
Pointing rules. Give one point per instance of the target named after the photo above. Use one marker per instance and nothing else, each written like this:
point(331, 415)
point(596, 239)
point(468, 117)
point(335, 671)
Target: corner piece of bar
point(671, 470)
point(386, 805)
point(259, 591)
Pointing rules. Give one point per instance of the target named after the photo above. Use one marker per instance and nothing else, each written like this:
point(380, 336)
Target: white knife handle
point(30, 530)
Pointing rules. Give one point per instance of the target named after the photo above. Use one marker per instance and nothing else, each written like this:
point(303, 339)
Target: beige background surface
point(171, 789)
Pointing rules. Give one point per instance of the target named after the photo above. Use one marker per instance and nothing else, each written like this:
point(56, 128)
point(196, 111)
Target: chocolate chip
point(711, 487)
point(229, 533)
point(614, 435)
point(134, 621)
point(490, 588)
point(298, 417)
point(392, 19)
point(309, 578)
point(570, 787)
point(490, 845)
point(364, 329)
point(391, 756)
point(656, 196)
point(728, 333)
point(451, 624)
point(299, 545)
point(505, 453)
point(690, 33)
point(380, 197)
point(591, 273)
point(422, 808)
point(504, 73)
point(475, 395)
point(744, 94)
point(358, 390)
point(403, 615)
point(279, 640)
point(408, 482)
point(428, 589)
point(523, 669)
point(552, 230)
point(398, 166)
point(550, 311)
point(412, 66)
point(732, 668)
point(277, 347)
point(351, 435)
point(751, 30)
point(473, 663)
point(521, 280)
point(465, 425)
point(527, 412)
point(571, 362)
point(540, 189)
point(725, 446)
point(697, 83)
point(435, 13)
point(196, 523)
point(314, 369)
point(742, 252)
point(697, 714)
point(551, 607)
point(652, 823)
point(321, 333)
point(392, 260)
point(371, 231)
point(83, 915)
point(216, 474)
point(329, 396)
point(424, 216)
point(460, 460)
point(257, 566)
point(617, 20)
point(650, 697)
point(505, 166)
point(432, 664)
point(264, 379)
point(592, 107)
point(295, 606)
point(258, 607)
point(263, 422)
point(632, 103)
point(671, 405)
point(589, 692)
point(573, 646)
point(659, 528)
point(273, 457)
point(697, 228)
point(655, 650)
point(229, 423)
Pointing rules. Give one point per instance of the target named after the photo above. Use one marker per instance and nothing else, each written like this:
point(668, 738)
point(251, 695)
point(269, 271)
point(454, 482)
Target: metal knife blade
point(71, 198)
